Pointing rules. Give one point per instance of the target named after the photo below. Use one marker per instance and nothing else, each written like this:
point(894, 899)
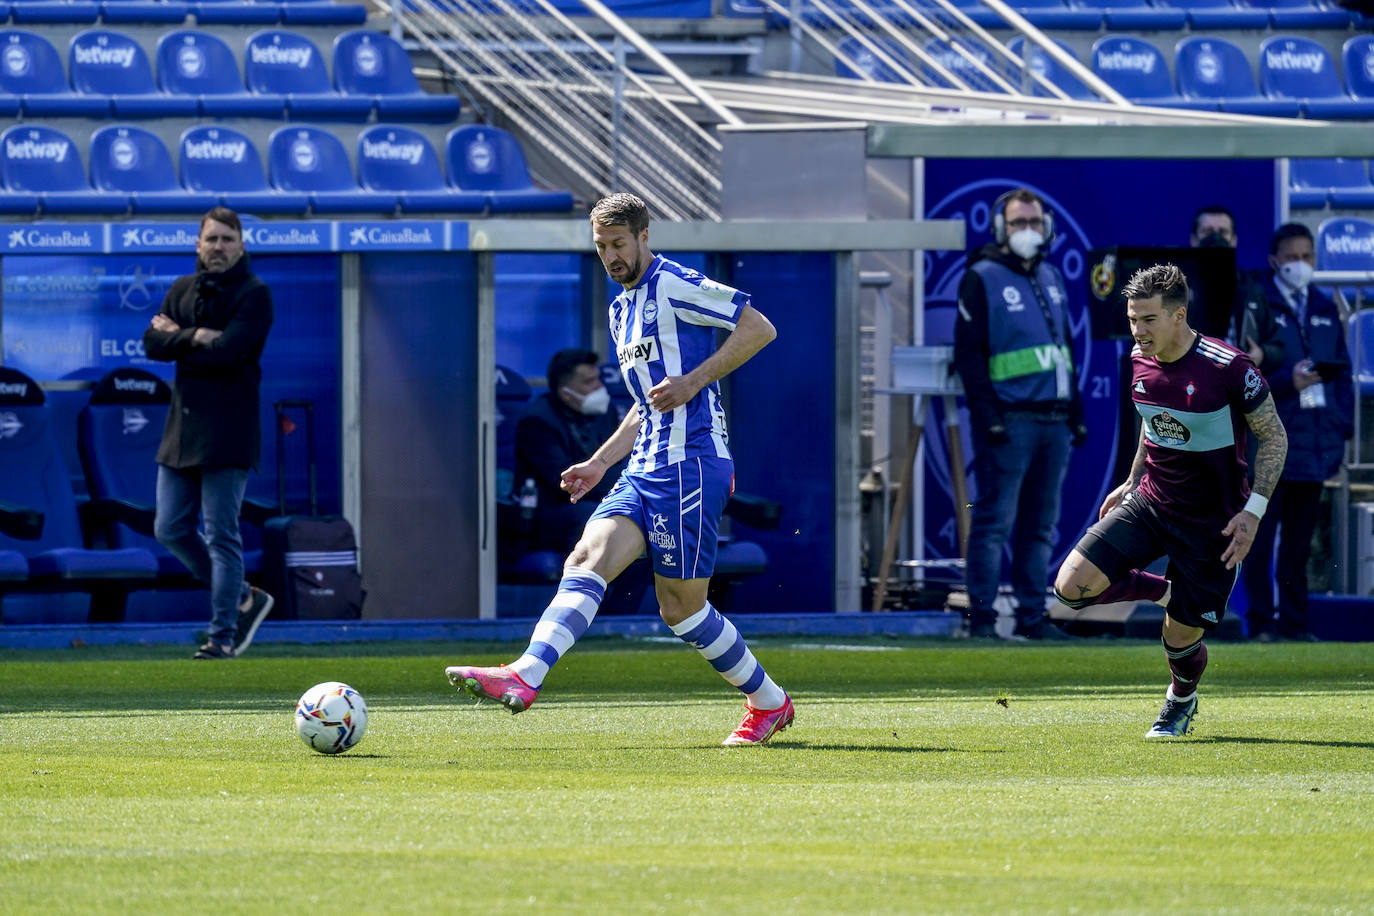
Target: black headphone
point(999, 219)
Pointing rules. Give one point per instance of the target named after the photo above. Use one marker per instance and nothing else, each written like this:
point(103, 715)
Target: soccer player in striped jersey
point(1186, 496)
point(679, 478)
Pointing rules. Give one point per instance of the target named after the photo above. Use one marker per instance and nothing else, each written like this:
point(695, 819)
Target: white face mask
point(593, 404)
point(1025, 243)
point(1297, 274)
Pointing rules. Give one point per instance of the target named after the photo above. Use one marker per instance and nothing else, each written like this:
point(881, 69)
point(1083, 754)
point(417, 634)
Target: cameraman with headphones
point(1012, 350)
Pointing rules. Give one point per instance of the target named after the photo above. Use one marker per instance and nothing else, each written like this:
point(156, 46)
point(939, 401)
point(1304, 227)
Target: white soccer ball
point(331, 717)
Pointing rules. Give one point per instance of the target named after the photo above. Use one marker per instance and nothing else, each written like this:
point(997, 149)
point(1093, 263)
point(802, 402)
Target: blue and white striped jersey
point(665, 326)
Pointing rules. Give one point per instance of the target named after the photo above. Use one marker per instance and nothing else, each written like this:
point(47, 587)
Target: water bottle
point(529, 499)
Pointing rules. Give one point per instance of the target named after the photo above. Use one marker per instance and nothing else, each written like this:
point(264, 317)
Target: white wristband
point(1256, 505)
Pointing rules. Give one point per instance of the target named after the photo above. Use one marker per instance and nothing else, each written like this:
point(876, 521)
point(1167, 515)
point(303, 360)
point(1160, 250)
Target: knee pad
point(1074, 603)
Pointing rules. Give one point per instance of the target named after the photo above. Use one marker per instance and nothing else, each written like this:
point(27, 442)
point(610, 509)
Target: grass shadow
point(1247, 739)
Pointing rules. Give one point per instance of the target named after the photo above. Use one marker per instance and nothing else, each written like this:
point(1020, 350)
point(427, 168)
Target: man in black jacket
point(1012, 350)
point(213, 325)
point(559, 429)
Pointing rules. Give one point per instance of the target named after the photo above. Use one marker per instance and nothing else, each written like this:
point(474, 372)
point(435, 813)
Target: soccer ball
point(331, 717)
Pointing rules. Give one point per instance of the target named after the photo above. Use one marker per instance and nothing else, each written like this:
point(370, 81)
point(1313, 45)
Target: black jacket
point(551, 438)
point(213, 420)
point(1316, 436)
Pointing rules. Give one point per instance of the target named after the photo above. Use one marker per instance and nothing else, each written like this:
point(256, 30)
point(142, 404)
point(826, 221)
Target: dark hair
point(622, 210)
point(222, 215)
point(1289, 231)
point(563, 363)
point(1025, 195)
point(1209, 211)
point(1163, 280)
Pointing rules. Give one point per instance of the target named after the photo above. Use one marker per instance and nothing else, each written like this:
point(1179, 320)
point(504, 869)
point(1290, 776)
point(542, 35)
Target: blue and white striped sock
point(722, 645)
point(562, 624)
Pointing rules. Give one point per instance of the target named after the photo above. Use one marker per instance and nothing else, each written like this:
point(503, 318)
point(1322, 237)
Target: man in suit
point(213, 324)
point(1315, 400)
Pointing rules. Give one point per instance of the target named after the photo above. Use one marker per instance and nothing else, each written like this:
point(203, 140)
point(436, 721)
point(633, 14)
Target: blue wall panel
point(781, 410)
point(78, 316)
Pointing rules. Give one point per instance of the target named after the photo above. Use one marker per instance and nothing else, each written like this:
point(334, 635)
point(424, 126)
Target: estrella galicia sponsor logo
point(1168, 430)
point(1252, 383)
point(51, 238)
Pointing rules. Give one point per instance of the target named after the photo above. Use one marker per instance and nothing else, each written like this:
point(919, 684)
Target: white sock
point(562, 624)
point(715, 637)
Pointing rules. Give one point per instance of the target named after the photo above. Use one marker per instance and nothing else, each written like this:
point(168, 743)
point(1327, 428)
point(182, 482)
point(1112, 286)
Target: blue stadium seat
point(190, 62)
point(118, 433)
point(1306, 14)
point(1045, 66)
point(962, 65)
point(1300, 68)
point(1342, 182)
point(322, 12)
point(397, 159)
point(277, 62)
point(102, 62)
point(31, 78)
point(1220, 14)
point(168, 12)
point(224, 161)
point(488, 159)
point(1357, 58)
point(513, 395)
point(1136, 69)
point(1056, 15)
point(870, 64)
point(33, 474)
point(1359, 333)
point(1135, 15)
point(1346, 243)
point(1213, 69)
point(44, 161)
point(55, 12)
point(135, 162)
point(313, 161)
point(621, 399)
point(235, 12)
point(375, 65)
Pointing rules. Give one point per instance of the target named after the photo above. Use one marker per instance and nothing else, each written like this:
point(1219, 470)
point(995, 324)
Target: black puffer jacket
point(213, 421)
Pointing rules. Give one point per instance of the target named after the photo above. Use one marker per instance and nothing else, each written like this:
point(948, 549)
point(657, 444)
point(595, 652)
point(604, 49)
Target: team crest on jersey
point(650, 312)
point(1253, 381)
point(635, 352)
point(1169, 430)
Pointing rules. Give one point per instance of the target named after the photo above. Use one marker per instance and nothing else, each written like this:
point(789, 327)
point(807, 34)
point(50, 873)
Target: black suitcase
point(309, 562)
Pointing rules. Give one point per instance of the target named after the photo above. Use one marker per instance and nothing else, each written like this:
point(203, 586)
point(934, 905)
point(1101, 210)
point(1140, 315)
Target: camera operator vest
point(1028, 353)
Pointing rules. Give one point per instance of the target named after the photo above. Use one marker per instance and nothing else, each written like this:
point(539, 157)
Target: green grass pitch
point(919, 777)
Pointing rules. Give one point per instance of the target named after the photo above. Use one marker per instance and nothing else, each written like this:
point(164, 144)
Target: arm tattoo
point(1264, 422)
point(1137, 464)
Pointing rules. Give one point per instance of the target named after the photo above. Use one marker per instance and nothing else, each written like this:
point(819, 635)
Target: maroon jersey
point(1193, 413)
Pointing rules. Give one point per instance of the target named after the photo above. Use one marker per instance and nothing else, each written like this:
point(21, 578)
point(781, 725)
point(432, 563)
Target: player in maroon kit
point(1186, 496)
